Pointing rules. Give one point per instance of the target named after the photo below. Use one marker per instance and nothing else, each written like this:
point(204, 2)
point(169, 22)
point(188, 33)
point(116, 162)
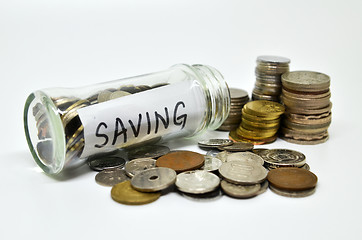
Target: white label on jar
point(172, 109)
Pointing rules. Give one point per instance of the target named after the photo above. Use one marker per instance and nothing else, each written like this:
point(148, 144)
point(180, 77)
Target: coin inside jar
point(197, 182)
point(181, 161)
point(153, 180)
point(292, 179)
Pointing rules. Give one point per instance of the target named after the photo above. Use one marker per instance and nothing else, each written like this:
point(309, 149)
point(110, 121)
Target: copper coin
point(292, 179)
point(181, 161)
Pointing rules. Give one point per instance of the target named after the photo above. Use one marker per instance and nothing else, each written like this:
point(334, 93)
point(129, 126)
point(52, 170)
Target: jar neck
point(216, 92)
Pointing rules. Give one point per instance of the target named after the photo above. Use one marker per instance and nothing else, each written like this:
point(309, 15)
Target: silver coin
point(214, 143)
point(236, 93)
point(240, 191)
point(237, 147)
point(106, 162)
point(258, 150)
point(240, 172)
point(197, 182)
point(245, 157)
point(264, 187)
point(104, 96)
point(223, 156)
point(138, 165)
point(118, 94)
point(148, 151)
point(306, 166)
point(111, 177)
point(204, 197)
point(211, 164)
point(293, 194)
point(212, 153)
point(272, 59)
point(283, 158)
point(154, 179)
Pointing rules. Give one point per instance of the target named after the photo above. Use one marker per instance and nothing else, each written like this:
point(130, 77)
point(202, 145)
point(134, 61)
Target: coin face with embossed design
point(240, 191)
point(106, 162)
point(283, 157)
point(111, 177)
point(245, 157)
point(124, 193)
point(154, 179)
point(138, 165)
point(197, 182)
point(243, 172)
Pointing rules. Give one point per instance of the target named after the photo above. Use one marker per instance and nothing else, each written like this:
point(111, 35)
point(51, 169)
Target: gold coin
point(250, 134)
point(261, 124)
point(251, 117)
point(236, 138)
point(125, 194)
point(264, 108)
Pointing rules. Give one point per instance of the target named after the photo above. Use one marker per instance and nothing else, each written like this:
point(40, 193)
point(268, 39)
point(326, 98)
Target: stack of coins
point(306, 97)
point(268, 74)
point(238, 98)
point(260, 122)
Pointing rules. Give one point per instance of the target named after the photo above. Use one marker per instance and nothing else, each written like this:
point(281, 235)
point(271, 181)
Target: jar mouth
point(44, 132)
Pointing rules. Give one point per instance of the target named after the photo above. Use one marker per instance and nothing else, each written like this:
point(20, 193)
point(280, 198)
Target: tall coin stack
point(260, 122)
point(306, 96)
point(238, 98)
point(268, 74)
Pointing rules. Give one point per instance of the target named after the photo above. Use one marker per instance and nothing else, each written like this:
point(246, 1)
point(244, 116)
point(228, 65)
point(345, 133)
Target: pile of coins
point(73, 128)
point(260, 122)
point(306, 97)
point(268, 74)
point(238, 98)
point(239, 173)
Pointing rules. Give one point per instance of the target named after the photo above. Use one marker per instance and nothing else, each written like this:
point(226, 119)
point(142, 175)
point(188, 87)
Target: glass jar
point(65, 126)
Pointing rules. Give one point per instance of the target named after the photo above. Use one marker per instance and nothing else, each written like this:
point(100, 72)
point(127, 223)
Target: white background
point(74, 43)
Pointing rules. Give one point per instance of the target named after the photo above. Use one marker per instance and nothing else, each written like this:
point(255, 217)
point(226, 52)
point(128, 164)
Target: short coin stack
point(268, 74)
point(260, 122)
point(238, 98)
point(306, 97)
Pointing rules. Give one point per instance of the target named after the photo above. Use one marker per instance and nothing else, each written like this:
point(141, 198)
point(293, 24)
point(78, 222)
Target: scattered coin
point(294, 194)
point(148, 151)
point(237, 147)
point(245, 157)
point(215, 143)
point(197, 182)
point(292, 179)
point(181, 161)
point(212, 153)
point(240, 191)
point(138, 165)
point(110, 177)
point(203, 197)
point(211, 164)
point(124, 193)
point(283, 158)
point(154, 179)
point(106, 162)
point(246, 173)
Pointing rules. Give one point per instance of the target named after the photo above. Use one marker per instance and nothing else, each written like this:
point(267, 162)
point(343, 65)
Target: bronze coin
point(292, 179)
point(181, 161)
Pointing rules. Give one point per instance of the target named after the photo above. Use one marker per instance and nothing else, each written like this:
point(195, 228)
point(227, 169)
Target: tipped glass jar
point(66, 126)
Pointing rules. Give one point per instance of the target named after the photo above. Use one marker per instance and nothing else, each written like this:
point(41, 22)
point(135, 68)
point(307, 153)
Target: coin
point(305, 142)
point(118, 94)
point(138, 165)
point(197, 182)
point(264, 108)
point(222, 155)
point(111, 177)
point(104, 96)
point(214, 143)
point(212, 153)
point(240, 191)
point(125, 194)
point(237, 138)
point(272, 59)
point(293, 194)
point(237, 147)
point(307, 81)
point(238, 93)
point(283, 157)
point(203, 197)
point(147, 151)
point(181, 161)
point(241, 172)
point(154, 179)
point(292, 179)
point(211, 164)
point(106, 162)
point(245, 157)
